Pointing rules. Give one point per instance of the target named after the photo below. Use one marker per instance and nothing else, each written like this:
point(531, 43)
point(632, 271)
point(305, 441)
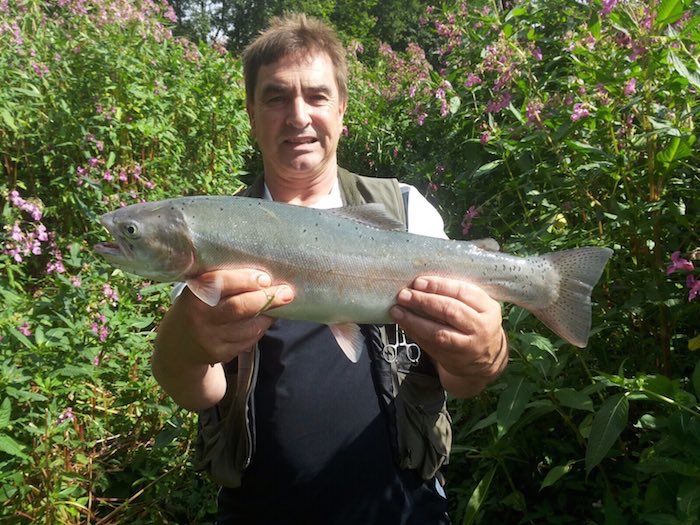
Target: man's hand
point(237, 322)
point(459, 326)
point(193, 335)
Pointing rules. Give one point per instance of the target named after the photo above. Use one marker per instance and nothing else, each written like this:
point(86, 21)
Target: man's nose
point(299, 116)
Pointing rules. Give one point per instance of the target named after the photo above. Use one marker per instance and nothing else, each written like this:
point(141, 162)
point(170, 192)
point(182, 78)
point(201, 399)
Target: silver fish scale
point(344, 270)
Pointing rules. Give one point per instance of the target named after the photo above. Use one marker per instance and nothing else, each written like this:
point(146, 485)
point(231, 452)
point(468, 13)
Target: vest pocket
point(424, 426)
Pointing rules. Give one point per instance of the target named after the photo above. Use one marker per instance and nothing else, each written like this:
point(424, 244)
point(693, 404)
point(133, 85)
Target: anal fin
point(350, 340)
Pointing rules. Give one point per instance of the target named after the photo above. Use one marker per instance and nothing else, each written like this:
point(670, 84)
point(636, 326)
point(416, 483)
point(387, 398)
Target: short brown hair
point(296, 35)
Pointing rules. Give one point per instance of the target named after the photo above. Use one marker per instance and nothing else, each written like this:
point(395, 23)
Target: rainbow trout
point(346, 265)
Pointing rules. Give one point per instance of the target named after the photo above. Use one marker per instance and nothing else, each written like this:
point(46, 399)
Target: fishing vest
point(407, 383)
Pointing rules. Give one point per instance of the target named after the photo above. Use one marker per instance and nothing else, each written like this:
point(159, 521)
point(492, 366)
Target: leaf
point(483, 423)
point(555, 474)
point(75, 371)
point(694, 343)
point(607, 426)
point(22, 338)
point(487, 168)
point(660, 465)
point(512, 403)
point(11, 447)
point(669, 11)
point(682, 70)
point(676, 150)
point(516, 315)
point(571, 398)
point(478, 497)
point(5, 412)
point(611, 510)
point(8, 119)
point(688, 499)
point(455, 103)
point(515, 12)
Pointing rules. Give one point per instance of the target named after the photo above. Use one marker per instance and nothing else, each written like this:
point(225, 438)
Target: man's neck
point(301, 191)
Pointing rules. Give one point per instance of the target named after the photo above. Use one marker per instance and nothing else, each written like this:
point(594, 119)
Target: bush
point(551, 125)
point(100, 107)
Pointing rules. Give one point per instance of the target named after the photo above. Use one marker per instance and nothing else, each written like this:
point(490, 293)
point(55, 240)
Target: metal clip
point(390, 352)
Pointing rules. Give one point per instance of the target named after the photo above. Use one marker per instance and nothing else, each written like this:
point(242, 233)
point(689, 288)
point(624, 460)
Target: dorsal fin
point(373, 215)
point(487, 243)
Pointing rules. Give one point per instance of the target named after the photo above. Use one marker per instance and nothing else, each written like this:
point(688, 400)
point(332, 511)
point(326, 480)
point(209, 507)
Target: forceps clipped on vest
point(390, 352)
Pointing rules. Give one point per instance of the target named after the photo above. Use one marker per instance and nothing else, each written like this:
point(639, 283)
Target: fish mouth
point(111, 250)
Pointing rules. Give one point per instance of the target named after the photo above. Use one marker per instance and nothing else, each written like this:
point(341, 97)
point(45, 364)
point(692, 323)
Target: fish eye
point(130, 230)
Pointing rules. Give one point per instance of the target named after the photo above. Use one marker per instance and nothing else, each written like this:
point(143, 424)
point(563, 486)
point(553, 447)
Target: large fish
point(346, 265)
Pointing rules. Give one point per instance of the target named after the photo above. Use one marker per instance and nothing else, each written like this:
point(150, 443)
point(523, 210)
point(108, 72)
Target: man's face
point(297, 115)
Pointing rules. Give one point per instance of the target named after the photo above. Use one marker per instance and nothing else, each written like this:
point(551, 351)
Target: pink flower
point(485, 137)
point(24, 330)
point(608, 6)
point(499, 103)
point(537, 54)
point(472, 80)
point(580, 111)
point(630, 87)
point(75, 281)
point(678, 263)
point(694, 285)
point(471, 214)
point(110, 293)
point(67, 415)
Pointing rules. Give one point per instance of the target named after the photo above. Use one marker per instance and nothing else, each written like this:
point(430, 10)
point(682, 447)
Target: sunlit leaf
point(555, 474)
point(9, 446)
point(682, 70)
point(5, 412)
point(478, 497)
point(512, 402)
point(669, 11)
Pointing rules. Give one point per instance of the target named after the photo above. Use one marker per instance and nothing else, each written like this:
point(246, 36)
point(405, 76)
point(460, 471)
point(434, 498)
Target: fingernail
point(404, 295)
point(420, 284)
point(284, 293)
point(263, 280)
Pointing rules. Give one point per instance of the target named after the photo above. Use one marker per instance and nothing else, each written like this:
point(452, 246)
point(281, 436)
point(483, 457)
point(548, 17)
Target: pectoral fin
point(350, 340)
point(208, 291)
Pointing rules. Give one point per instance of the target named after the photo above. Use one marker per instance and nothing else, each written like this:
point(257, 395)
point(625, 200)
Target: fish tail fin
point(579, 270)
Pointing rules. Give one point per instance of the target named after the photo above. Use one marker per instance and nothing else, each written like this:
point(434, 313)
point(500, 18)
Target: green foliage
point(237, 22)
point(100, 106)
point(550, 125)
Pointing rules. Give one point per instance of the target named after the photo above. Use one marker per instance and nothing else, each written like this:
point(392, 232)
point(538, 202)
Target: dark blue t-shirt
point(322, 449)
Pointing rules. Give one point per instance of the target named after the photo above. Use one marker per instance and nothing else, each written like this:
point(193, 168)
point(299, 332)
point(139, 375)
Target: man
point(322, 440)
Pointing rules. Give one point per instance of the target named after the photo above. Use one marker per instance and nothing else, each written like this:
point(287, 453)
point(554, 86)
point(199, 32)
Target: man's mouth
point(301, 140)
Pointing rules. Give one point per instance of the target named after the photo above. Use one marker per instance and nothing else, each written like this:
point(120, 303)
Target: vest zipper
point(250, 409)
